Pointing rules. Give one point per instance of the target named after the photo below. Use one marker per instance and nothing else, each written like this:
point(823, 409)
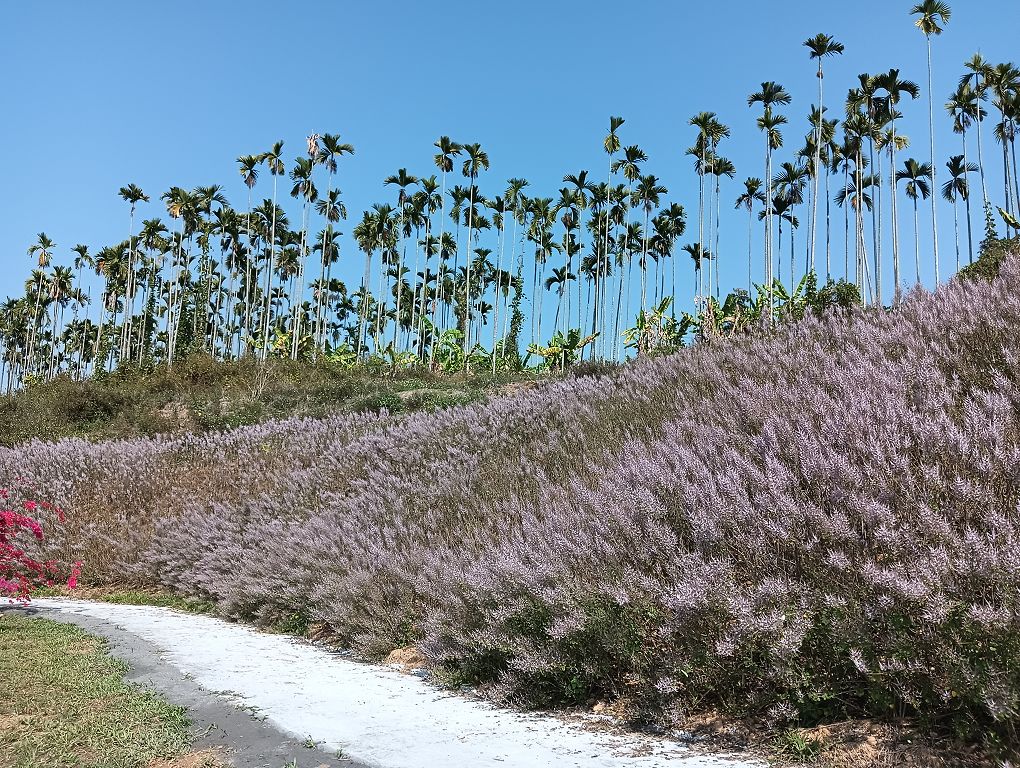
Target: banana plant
point(343, 356)
point(563, 349)
point(450, 351)
point(655, 332)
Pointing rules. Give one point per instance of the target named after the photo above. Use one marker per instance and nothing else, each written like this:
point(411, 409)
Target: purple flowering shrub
point(815, 522)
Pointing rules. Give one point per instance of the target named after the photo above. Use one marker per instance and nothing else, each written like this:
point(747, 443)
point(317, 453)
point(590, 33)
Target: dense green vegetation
point(200, 394)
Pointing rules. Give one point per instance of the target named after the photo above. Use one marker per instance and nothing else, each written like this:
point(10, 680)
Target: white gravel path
point(375, 714)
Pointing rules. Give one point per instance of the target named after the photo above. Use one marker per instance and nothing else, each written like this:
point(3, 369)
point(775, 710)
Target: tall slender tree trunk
point(876, 222)
point(956, 227)
point(917, 247)
point(818, 160)
point(934, 174)
point(828, 226)
point(895, 220)
point(981, 157)
point(269, 277)
point(467, 286)
point(718, 215)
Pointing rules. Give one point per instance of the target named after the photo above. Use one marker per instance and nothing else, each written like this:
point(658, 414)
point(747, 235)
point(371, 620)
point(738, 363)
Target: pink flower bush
point(20, 572)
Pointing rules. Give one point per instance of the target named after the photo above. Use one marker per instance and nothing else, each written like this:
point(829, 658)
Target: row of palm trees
point(449, 263)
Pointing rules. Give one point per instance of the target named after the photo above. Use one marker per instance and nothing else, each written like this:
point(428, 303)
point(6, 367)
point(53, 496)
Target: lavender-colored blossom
point(822, 512)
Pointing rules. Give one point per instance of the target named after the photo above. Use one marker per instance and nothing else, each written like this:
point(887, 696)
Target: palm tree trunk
point(934, 174)
point(269, 277)
point(893, 194)
point(828, 229)
point(970, 239)
point(247, 282)
point(956, 228)
point(298, 301)
point(362, 325)
point(981, 157)
point(818, 160)
point(917, 247)
point(768, 218)
point(876, 221)
point(718, 215)
point(467, 286)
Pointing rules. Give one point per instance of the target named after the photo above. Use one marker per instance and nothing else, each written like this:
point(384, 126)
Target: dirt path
point(267, 696)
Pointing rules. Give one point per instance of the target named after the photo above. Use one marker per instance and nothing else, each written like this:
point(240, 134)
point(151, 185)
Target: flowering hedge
point(20, 572)
point(812, 523)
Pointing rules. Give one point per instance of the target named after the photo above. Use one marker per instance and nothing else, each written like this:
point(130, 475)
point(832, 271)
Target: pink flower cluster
point(20, 572)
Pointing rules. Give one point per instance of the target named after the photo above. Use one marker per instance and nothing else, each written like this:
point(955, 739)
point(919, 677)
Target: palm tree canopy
point(248, 165)
point(917, 176)
point(770, 93)
point(931, 14)
point(751, 194)
point(957, 186)
point(612, 141)
point(448, 149)
point(132, 193)
point(477, 160)
point(823, 45)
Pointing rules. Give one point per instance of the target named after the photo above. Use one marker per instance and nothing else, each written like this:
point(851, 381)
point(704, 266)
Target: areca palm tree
point(333, 210)
point(964, 107)
point(206, 197)
point(953, 190)
point(1004, 81)
point(274, 161)
point(476, 162)
point(932, 15)
point(82, 259)
point(42, 252)
point(771, 94)
point(976, 79)
point(248, 166)
point(820, 47)
point(698, 254)
point(752, 194)
point(646, 195)
point(559, 278)
point(448, 150)
point(514, 203)
point(788, 185)
point(721, 166)
point(611, 145)
point(61, 291)
point(131, 194)
point(917, 175)
point(331, 148)
point(582, 190)
point(710, 133)
point(304, 188)
point(403, 180)
point(630, 166)
point(895, 88)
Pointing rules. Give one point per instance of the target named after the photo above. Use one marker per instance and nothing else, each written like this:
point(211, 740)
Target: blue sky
point(101, 94)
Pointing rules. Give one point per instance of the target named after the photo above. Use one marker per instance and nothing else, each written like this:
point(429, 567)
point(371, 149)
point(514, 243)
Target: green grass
point(202, 395)
point(64, 703)
point(132, 597)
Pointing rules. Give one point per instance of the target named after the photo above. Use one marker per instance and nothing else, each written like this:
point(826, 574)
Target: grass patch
point(132, 597)
point(201, 395)
point(64, 702)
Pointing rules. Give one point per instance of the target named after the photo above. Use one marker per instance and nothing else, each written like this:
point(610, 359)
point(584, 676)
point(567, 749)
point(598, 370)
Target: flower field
point(815, 522)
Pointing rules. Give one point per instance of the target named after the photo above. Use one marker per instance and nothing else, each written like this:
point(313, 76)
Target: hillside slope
point(202, 395)
point(812, 524)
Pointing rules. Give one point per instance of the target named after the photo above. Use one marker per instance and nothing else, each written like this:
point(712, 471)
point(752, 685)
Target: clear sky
point(101, 94)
